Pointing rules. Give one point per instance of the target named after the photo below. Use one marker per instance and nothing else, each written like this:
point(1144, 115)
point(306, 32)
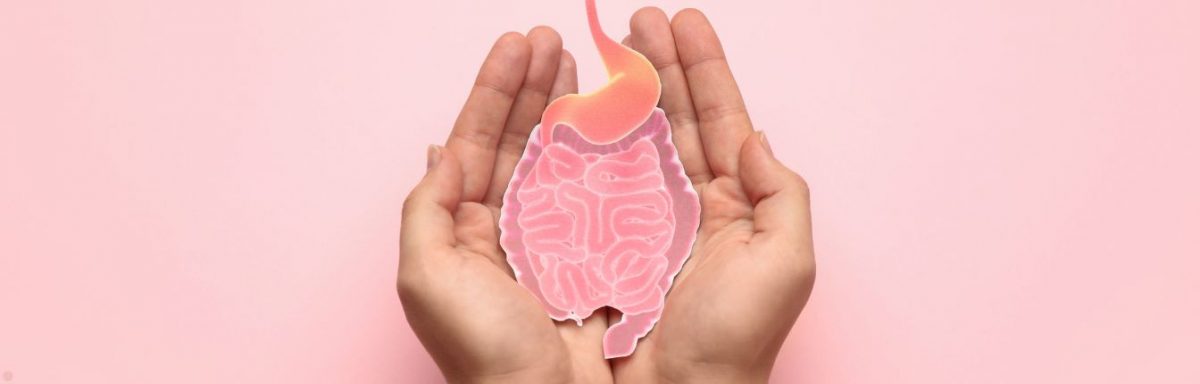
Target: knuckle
point(718, 112)
point(513, 143)
point(798, 184)
point(683, 119)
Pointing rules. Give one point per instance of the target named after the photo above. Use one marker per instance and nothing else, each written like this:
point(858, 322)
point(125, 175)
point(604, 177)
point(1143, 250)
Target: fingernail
point(762, 136)
point(433, 156)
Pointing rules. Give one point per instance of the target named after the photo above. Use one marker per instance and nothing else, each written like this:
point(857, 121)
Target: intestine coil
point(599, 212)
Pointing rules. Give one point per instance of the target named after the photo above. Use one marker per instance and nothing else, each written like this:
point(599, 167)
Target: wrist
point(668, 370)
point(715, 375)
point(531, 375)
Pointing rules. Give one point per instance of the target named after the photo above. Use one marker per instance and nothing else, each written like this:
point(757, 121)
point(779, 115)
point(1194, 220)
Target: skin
point(725, 319)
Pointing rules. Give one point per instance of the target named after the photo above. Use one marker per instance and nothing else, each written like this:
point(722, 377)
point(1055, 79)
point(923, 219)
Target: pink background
point(203, 191)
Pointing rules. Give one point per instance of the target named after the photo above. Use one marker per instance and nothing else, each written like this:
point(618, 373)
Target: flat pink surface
point(192, 192)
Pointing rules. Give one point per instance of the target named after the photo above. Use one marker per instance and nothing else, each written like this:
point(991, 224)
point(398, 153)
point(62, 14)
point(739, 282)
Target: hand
point(731, 306)
point(752, 267)
point(458, 291)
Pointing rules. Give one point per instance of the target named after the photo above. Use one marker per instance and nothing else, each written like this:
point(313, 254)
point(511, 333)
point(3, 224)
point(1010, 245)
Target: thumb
point(428, 218)
point(780, 196)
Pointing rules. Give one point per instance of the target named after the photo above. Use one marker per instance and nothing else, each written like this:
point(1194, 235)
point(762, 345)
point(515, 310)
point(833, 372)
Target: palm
point(712, 313)
point(506, 323)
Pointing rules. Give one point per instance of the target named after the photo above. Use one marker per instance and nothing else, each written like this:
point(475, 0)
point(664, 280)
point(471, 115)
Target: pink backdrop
point(203, 191)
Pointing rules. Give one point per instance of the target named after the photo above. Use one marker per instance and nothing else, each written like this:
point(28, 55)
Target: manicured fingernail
point(433, 156)
point(762, 136)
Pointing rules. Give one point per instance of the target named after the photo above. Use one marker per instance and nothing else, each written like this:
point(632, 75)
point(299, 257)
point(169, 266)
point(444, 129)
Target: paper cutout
point(599, 211)
point(615, 110)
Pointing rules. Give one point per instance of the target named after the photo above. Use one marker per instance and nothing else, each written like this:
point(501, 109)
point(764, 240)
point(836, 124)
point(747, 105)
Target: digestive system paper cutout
point(599, 211)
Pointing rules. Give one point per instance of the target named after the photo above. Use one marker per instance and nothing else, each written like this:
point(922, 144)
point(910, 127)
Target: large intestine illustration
point(599, 225)
point(599, 212)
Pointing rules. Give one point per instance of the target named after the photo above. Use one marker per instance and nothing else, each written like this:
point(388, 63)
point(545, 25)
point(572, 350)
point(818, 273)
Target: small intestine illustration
point(599, 225)
point(599, 212)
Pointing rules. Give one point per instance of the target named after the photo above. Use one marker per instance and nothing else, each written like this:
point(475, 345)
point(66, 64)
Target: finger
point(566, 81)
point(652, 37)
point(482, 120)
point(586, 342)
point(627, 41)
point(780, 197)
point(531, 99)
point(724, 123)
point(427, 221)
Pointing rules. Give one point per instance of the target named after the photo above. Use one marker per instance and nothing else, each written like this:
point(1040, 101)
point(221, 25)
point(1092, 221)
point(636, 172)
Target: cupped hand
point(752, 267)
point(458, 292)
point(730, 308)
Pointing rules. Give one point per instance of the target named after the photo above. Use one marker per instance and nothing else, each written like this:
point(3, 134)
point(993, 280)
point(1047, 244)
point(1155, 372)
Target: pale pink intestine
point(596, 227)
point(587, 225)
